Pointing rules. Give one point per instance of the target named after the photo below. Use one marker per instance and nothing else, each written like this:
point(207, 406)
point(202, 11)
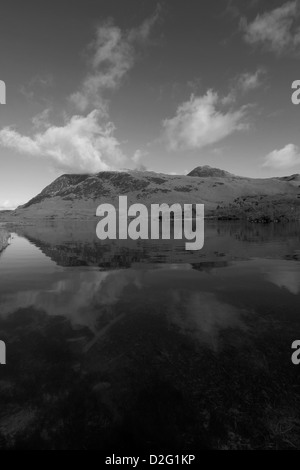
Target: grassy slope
point(231, 195)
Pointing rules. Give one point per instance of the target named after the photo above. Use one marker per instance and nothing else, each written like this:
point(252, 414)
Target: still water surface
point(143, 345)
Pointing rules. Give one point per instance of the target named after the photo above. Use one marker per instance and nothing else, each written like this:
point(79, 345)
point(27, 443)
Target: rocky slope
point(4, 237)
point(223, 194)
point(207, 171)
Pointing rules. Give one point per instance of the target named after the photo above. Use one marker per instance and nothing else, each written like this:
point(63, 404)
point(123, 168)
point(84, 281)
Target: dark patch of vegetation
point(207, 171)
point(260, 209)
point(60, 186)
point(123, 181)
point(156, 180)
point(184, 189)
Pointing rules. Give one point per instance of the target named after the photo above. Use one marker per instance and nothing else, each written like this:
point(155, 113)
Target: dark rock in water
point(4, 238)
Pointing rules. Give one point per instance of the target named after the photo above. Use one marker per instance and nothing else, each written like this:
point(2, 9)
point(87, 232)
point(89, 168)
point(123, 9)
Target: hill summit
point(207, 171)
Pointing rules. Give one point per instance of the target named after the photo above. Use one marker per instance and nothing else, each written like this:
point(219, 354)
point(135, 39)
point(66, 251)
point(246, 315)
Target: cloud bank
point(202, 121)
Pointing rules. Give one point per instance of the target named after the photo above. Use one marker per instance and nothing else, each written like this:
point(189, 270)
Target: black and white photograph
point(149, 227)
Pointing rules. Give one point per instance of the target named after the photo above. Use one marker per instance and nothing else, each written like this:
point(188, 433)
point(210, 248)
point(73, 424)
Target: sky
point(164, 85)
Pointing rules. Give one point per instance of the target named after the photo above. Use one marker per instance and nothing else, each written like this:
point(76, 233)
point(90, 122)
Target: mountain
point(207, 171)
point(223, 194)
point(292, 178)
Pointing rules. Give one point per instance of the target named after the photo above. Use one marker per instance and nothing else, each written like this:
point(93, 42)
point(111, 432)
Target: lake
point(123, 345)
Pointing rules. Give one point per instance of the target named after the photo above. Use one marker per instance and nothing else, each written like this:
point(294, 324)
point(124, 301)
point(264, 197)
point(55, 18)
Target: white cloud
point(41, 120)
point(277, 30)
point(113, 55)
point(86, 143)
point(7, 205)
point(243, 83)
point(83, 144)
point(250, 81)
point(112, 59)
point(287, 157)
point(142, 32)
point(201, 121)
point(138, 155)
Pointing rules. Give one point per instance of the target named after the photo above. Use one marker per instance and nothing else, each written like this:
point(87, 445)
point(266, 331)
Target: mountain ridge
point(222, 193)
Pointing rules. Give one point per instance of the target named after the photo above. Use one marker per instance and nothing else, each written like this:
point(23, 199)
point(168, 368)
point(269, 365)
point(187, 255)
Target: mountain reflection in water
point(144, 345)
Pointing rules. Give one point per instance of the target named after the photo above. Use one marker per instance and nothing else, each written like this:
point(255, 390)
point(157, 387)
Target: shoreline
point(4, 238)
